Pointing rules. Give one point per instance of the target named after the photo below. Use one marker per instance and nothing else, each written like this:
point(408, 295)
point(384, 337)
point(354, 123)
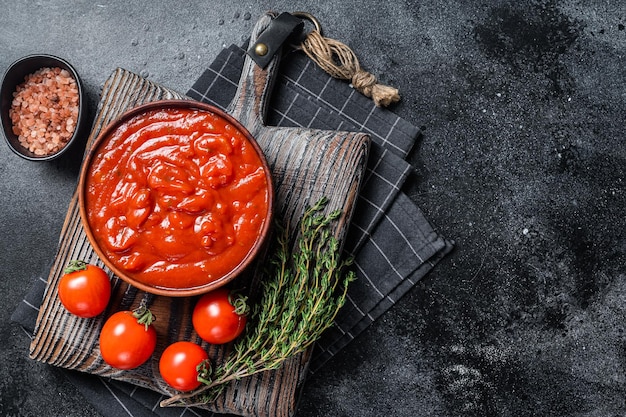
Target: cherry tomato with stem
point(128, 339)
point(220, 316)
point(184, 365)
point(84, 289)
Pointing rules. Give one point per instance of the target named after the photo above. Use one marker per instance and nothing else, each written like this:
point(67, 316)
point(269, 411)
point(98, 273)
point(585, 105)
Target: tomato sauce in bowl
point(176, 197)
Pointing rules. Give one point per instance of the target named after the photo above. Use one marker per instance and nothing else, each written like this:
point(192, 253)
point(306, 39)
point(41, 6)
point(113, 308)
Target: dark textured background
point(522, 163)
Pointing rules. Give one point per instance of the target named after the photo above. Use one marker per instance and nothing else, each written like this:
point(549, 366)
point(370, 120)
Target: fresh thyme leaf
point(302, 292)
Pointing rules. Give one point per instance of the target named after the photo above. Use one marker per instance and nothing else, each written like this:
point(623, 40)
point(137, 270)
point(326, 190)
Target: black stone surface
point(522, 162)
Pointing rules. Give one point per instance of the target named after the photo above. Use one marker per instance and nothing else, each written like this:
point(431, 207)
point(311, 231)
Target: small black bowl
point(13, 77)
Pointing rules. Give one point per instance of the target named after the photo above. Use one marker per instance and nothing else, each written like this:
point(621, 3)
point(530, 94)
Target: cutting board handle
point(255, 85)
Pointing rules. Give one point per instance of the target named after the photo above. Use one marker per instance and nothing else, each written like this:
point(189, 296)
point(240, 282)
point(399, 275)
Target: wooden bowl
point(168, 207)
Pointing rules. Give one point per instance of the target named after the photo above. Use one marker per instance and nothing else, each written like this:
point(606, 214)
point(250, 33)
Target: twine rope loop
point(338, 60)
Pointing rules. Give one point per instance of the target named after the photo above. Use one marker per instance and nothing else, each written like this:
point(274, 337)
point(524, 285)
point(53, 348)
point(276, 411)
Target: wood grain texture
point(306, 165)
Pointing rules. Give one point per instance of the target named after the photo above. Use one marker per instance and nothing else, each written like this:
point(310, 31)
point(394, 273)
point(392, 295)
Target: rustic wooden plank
point(306, 165)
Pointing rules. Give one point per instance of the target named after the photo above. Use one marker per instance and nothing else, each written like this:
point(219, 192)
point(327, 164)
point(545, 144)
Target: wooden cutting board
point(306, 165)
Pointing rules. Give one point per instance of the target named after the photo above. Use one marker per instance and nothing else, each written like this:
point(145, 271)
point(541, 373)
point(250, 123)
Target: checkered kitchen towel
point(393, 244)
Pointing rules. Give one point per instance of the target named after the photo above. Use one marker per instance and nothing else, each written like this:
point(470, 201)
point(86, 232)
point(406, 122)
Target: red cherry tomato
point(181, 363)
point(125, 342)
point(84, 290)
point(216, 319)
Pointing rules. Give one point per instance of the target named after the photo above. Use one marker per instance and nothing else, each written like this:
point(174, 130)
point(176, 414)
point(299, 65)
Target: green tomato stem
point(144, 316)
point(240, 302)
point(74, 266)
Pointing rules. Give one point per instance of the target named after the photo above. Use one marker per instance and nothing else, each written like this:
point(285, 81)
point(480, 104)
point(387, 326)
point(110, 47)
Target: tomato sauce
point(176, 197)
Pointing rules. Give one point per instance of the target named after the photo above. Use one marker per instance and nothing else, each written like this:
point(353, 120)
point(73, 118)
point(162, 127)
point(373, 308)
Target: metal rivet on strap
point(260, 49)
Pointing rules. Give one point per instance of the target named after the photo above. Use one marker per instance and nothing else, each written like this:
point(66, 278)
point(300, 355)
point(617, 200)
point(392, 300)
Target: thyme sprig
point(302, 292)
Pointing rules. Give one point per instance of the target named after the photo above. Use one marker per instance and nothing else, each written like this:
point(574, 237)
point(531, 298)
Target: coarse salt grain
point(44, 110)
